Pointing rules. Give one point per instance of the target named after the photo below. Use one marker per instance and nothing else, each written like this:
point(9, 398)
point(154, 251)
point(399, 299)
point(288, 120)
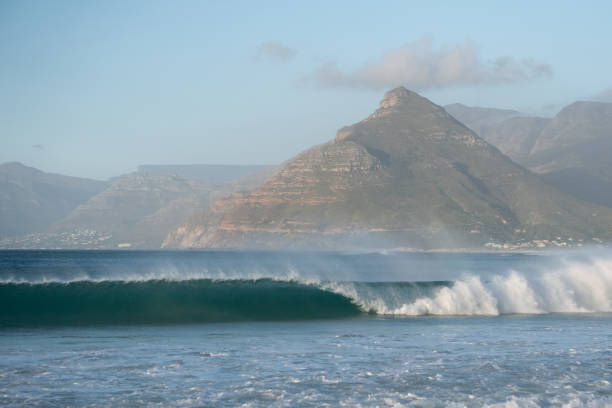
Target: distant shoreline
point(348, 251)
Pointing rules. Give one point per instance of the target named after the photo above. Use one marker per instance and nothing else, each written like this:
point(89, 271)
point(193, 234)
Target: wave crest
point(575, 288)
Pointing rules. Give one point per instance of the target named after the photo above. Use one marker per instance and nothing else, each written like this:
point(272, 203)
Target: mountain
point(139, 209)
point(508, 130)
point(479, 119)
point(572, 138)
point(571, 151)
point(574, 152)
point(31, 200)
point(409, 175)
point(516, 136)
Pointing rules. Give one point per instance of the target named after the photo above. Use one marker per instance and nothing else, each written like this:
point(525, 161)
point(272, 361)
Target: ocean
point(307, 329)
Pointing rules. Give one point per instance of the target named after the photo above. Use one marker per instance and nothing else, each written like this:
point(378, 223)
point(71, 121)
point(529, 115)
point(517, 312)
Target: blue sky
point(94, 88)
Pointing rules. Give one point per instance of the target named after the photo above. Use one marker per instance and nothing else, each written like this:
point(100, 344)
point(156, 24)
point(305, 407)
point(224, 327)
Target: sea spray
point(575, 288)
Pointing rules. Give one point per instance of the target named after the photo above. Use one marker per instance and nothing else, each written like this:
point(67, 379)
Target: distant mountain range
point(572, 151)
point(136, 210)
point(408, 175)
point(31, 200)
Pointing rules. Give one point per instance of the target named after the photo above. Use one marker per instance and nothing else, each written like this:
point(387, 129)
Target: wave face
point(161, 301)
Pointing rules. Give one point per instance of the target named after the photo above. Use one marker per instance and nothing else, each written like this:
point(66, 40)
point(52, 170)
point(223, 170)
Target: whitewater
point(573, 288)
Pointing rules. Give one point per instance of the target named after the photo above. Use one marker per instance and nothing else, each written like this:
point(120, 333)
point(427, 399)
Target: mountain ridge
point(570, 151)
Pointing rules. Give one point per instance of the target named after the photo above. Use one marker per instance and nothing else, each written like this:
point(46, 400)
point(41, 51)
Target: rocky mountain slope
point(31, 200)
point(409, 175)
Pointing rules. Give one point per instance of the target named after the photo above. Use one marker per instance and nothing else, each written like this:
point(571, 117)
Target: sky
point(95, 88)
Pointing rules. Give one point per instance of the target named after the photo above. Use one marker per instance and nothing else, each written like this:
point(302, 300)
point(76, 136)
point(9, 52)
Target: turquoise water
point(305, 329)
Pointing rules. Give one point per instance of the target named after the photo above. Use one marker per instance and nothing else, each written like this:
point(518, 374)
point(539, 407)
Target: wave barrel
point(167, 302)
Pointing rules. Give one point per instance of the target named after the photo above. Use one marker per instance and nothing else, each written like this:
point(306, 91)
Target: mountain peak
point(399, 96)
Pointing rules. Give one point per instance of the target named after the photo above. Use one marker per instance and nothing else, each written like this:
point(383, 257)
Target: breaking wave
point(573, 288)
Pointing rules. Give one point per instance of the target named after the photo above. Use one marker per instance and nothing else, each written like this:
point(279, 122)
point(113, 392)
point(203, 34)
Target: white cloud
point(274, 50)
point(418, 65)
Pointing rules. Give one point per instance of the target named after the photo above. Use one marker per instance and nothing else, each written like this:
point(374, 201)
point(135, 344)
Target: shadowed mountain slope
point(31, 200)
point(574, 151)
point(516, 136)
point(571, 151)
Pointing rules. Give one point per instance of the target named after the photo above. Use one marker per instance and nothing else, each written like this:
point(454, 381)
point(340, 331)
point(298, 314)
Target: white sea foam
point(576, 287)
point(532, 402)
